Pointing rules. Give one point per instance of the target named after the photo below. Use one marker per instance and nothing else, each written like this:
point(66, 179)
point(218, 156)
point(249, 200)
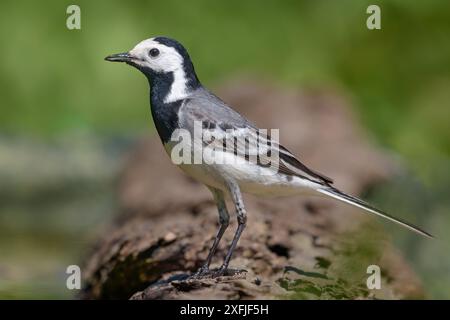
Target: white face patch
point(168, 60)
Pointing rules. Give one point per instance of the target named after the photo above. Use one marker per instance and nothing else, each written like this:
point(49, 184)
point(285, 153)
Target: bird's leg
point(242, 220)
point(224, 219)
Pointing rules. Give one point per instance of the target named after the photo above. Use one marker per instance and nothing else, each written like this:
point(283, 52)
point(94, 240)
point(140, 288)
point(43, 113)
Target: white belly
point(250, 177)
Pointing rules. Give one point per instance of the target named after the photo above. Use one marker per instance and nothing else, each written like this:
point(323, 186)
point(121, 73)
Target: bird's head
point(158, 54)
point(161, 59)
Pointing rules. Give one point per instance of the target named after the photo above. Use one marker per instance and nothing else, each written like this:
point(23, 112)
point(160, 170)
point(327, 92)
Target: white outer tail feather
point(336, 194)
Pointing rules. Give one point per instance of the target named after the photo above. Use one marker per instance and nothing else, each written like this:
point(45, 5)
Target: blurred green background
point(67, 116)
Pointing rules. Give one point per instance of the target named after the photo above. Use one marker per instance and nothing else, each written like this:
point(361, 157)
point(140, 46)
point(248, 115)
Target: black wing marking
point(216, 115)
point(295, 167)
point(265, 151)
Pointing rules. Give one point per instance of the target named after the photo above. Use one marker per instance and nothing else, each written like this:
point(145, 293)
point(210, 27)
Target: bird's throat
point(169, 87)
point(160, 87)
point(167, 93)
point(164, 113)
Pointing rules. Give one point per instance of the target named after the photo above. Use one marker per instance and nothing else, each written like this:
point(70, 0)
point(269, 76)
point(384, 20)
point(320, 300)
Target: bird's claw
point(220, 272)
point(201, 272)
point(204, 271)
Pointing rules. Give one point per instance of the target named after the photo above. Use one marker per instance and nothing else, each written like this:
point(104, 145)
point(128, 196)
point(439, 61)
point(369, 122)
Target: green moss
point(341, 276)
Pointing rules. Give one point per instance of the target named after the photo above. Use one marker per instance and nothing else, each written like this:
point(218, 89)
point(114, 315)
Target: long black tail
point(339, 195)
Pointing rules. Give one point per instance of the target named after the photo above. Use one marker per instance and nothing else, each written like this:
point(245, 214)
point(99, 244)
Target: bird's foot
point(202, 272)
point(222, 271)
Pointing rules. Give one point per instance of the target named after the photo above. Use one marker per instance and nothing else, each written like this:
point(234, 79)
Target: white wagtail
point(178, 100)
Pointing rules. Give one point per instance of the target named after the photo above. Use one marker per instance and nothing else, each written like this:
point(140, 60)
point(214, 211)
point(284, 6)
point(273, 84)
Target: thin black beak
point(119, 57)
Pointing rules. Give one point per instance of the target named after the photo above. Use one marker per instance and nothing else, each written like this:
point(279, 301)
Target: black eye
point(153, 52)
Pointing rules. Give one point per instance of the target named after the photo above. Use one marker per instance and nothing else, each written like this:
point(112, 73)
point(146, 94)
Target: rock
point(295, 247)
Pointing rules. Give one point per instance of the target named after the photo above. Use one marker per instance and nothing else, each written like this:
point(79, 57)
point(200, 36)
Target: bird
point(179, 101)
